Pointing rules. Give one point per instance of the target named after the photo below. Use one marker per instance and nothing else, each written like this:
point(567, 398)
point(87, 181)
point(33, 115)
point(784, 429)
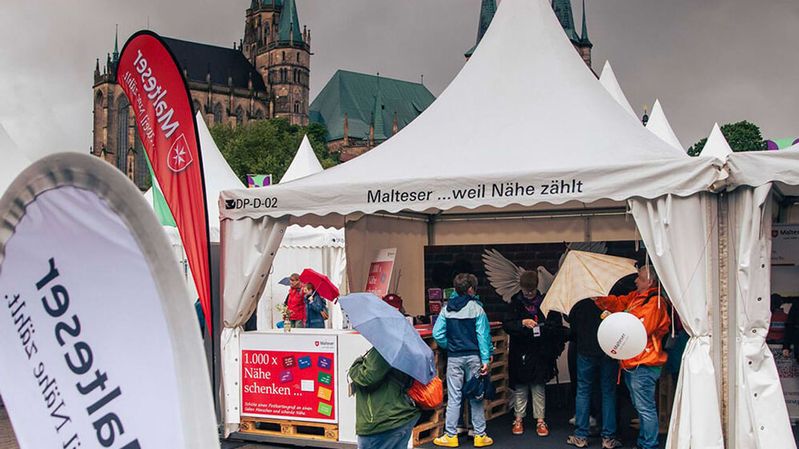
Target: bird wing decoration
point(589, 247)
point(503, 274)
point(545, 279)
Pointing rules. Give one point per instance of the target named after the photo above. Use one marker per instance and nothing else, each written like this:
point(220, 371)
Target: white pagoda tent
point(535, 152)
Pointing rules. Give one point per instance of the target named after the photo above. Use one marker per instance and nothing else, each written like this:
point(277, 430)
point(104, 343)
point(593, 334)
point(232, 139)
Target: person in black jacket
point(584, 319)
point(536, 342)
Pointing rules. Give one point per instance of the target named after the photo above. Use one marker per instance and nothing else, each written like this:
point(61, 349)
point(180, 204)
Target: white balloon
point(622, 335)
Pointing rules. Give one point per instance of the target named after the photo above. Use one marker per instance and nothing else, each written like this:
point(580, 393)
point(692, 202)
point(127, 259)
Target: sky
point(707, 61)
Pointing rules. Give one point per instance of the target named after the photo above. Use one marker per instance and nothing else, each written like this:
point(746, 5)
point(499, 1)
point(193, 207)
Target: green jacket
point(381, 402)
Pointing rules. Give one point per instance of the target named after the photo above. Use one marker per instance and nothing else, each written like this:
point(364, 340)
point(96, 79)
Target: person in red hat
point(295, 301)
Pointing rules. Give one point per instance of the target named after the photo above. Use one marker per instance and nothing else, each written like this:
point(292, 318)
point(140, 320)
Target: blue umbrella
point(391, 334)
point(285, 281)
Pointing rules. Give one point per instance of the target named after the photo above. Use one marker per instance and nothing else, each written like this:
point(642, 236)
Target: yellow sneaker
point(483, 440)
point(447, 441)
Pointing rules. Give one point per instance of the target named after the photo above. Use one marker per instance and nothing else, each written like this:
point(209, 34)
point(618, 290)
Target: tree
point(742, 136)
point(268, 146)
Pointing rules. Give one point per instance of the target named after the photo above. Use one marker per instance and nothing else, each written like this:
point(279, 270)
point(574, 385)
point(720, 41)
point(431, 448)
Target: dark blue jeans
point(641, 382)
point(390, 439)
point(587, 368)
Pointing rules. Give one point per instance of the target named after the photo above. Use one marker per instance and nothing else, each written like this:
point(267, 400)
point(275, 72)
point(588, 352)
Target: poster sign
point(100, 346)
point(788, 369)
point(159, 97)
point(254, 181)
point(785, 244)
point(380, 270)
point(290, 376)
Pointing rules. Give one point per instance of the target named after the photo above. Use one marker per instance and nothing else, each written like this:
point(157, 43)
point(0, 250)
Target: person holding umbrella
point(384, 414)
point(315, 308)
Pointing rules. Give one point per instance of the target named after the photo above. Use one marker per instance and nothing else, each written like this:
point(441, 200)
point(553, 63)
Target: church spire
point(116, 44)
point(377, 131)
point(487, 10)
point(584, 41)
point(288, 30)
point(563, 10)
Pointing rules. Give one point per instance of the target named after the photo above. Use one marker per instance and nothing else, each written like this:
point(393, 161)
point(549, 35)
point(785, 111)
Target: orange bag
point(427, 396)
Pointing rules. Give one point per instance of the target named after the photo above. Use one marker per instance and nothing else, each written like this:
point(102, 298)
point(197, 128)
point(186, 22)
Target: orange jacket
point(653, 314)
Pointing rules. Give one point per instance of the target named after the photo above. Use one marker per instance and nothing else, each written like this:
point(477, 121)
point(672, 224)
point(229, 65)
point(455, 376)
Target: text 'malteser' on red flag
point(159, 96)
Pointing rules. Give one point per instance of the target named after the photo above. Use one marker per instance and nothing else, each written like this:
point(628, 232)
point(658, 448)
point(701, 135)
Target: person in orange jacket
point(641, 373)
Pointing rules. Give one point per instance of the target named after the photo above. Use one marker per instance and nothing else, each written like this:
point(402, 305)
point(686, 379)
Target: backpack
point(428, 396)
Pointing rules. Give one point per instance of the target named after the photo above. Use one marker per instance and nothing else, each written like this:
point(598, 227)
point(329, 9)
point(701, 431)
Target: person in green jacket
point(384, 414)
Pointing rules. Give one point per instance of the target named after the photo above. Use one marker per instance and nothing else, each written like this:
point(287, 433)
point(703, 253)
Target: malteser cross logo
point(179, 156)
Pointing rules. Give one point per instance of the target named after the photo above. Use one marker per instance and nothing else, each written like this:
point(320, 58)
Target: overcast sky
point(708, 61)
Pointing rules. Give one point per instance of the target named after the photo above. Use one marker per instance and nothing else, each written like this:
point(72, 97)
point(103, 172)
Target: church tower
point(563, 11)
point(280, 51)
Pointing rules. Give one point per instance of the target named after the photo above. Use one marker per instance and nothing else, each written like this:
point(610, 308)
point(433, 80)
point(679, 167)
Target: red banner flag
point(159, 96)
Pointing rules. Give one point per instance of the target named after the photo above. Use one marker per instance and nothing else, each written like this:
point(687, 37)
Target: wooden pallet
point(430, 426)
point(290, 429)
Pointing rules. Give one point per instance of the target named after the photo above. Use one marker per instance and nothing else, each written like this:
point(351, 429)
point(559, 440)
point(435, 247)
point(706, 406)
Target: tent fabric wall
point(369, 234)
point(248, 250)
point(760, 414)
point(679, 234)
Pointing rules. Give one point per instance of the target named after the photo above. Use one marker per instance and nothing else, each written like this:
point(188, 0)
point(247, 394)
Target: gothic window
point(284, 56)
point(259, 115)
point(123, 108)
point(283, 74)
point(298, 57)
point(141, 173)
point(218, 114)
point(98, 120)
point(266, 33)
point(130, 163)
point(239, 116)
point(296, 107)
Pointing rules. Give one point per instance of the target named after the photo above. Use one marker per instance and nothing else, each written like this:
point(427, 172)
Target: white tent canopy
point(659, 124)
point(716, 145)
point(609, 81)
point(580, 141)
point(305, 163)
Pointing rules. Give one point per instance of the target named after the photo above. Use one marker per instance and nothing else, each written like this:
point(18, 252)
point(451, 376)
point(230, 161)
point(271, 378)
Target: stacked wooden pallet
point(290, 429)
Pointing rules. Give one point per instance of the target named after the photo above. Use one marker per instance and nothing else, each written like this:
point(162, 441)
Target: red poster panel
point(159, 96)
point(298, 384)
point(379, 280)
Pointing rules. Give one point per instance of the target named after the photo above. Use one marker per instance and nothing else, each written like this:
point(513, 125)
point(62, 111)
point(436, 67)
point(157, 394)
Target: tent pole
point(726, 324)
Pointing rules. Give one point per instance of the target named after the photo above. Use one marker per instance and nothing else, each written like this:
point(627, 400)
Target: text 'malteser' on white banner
point(99, 344)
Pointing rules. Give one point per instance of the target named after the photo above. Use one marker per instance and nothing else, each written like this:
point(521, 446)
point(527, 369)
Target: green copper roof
point(357, 95)
point(563, 10)
point(584, 35)
point(289, 26)
point(487, 10)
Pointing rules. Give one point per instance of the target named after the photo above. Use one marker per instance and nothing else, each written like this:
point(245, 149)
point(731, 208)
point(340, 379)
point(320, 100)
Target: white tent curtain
point(248, 250)
point(679, 235)
point(760, 414)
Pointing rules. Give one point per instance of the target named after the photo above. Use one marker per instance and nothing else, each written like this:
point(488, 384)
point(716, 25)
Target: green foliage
point(742, 136)
point(268, 146)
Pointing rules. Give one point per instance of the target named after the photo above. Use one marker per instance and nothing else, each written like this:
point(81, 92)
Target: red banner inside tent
point(159, 96)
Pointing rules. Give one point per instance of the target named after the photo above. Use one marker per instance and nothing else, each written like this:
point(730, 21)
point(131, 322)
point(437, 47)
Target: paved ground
point(498, 428)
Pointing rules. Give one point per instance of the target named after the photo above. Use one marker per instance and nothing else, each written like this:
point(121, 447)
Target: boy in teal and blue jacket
point(462, 329)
